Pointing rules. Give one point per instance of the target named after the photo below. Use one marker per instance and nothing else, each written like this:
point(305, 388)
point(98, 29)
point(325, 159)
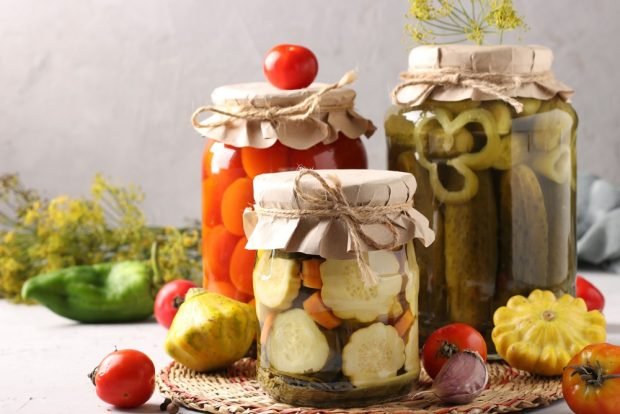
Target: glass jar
point(499, 189)
point(327, 336)
point(237, 152)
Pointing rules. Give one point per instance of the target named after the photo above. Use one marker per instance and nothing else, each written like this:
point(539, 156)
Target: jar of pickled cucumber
point(256, 128)
point(336, 285)
point(490, 137)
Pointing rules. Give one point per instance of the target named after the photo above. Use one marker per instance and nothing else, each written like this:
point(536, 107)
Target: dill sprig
point(459, 21)
point(39, 235)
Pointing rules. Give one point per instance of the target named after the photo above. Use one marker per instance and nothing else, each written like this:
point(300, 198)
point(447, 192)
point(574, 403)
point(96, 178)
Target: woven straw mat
point(236, 390)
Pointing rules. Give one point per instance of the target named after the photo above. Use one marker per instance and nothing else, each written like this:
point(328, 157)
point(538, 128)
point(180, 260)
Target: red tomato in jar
point(447, 341)
point(593, 297)
point(290, 66)
point(125, 378)
point(591, 381)
point(169, 298)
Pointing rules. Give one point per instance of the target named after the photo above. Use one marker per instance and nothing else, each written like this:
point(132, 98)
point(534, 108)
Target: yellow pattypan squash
point(210, 331)
point(541, 333)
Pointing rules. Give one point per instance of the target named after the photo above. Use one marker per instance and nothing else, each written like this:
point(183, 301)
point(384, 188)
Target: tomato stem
point(177, 301)
point(447, 349)
point(592, 375)
point(92, 374)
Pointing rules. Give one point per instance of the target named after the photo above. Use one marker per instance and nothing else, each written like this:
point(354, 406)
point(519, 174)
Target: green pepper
point(106, 292)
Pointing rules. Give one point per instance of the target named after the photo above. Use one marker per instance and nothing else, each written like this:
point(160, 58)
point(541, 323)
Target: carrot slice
point(267, 324)
point(241, 267)
point(403, 324)
point(321, 314)
point(311, 273)
point(265, 160)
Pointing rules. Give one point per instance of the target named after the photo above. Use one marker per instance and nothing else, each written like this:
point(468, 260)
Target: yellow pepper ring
point(470, 186)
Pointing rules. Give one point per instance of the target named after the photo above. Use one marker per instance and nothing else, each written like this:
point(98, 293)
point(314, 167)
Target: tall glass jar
point(329, 336)
point(496, 177)
point(239, 149)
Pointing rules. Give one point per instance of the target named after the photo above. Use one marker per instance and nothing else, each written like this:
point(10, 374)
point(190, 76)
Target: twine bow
point(330, 202)
point(499, 85)
point(298, 112)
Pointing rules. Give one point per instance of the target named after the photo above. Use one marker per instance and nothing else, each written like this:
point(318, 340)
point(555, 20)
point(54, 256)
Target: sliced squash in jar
point(348, 297)
point(276, 281)
point(412, 349)
point(413, 279)
point(296, 345)
point(372, 355)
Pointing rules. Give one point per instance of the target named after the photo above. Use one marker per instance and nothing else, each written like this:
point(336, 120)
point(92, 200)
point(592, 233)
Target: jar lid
point(458, 72)
point(258, 114)
point(334, 213)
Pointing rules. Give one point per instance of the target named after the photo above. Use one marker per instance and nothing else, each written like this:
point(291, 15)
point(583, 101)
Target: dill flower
point(38, 235)
point(457, 21)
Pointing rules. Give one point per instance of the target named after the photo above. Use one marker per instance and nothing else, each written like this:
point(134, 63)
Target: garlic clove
point(462, 378)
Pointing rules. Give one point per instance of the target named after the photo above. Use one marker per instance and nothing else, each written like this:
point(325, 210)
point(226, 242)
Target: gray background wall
point(108, 86)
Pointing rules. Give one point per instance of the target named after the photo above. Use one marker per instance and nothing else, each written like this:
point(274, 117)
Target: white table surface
point(45, 359)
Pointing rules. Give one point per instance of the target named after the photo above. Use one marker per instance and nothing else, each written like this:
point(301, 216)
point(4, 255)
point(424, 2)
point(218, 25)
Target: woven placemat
point(236, 390)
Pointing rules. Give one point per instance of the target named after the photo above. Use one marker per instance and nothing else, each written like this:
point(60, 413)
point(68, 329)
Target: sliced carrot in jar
point(236, 198)
point(266, 329)
point(241, 267)
point(265, 160)
point(217, 252)
point(403, 324)
point(320, 313)
point(211, 201)
point(311, 273)
point(227, 289)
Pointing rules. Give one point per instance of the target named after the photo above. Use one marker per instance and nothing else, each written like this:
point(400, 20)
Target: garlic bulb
point(462, 378)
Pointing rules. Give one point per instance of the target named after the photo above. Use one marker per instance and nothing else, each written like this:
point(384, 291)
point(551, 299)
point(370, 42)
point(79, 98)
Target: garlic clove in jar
point(462, 378)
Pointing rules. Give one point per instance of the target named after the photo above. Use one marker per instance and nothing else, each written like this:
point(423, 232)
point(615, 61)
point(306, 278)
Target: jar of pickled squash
point(256, 128)
point(490, 137)
point(336, 285)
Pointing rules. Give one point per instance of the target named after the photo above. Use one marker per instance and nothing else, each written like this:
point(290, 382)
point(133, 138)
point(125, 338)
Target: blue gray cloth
point(598, 222)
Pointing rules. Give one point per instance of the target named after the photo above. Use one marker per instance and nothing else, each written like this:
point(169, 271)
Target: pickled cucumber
point(471, 254)
point(399, 129)
point(372, 355)
point(514, 150)
point(431, 262)
point(348, 297)
point(554, 164)
point(551, 127)
point(524, 234)
point(561, 251)
point(530, 106)
point(296, 345)
point(276, 281)
point(502, 115)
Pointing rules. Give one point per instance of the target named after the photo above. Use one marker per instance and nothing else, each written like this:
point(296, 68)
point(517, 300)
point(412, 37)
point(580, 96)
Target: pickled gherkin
point(502, 204)
point(471, 254)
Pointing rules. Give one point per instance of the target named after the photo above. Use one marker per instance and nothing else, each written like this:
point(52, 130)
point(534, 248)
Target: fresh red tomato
point(448, 340)
point(169, 298)
point(290, 66)
point(125, 378)
point(591, 381)
point(590, 294)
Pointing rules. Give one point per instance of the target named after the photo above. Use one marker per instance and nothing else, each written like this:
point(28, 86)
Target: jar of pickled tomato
point(256, 128)
point(336, 285)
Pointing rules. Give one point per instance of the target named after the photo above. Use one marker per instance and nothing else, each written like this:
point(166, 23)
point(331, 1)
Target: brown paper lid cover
point(329, 237)
point(336, 114)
